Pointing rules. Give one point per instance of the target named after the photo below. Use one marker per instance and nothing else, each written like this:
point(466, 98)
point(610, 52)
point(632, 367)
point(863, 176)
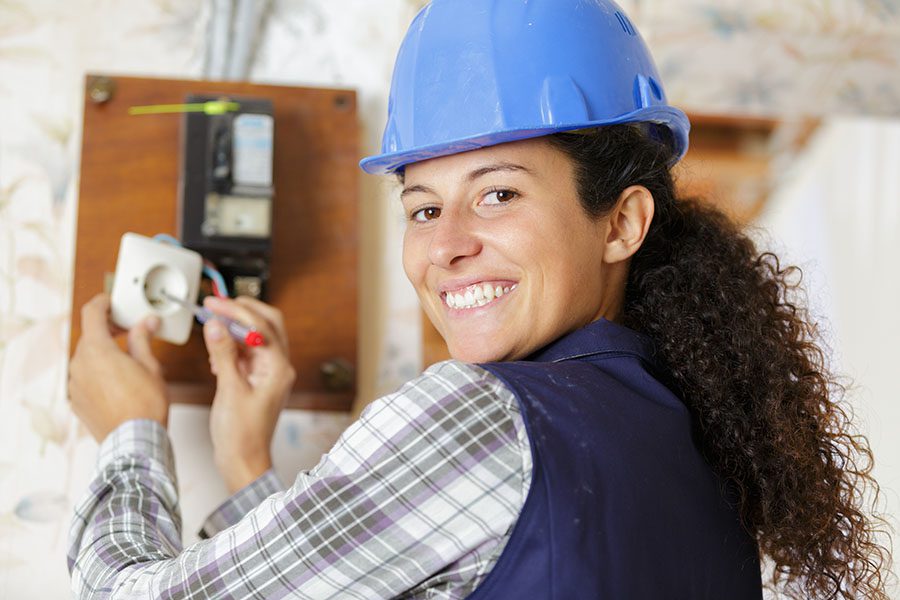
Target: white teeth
point(477, 295)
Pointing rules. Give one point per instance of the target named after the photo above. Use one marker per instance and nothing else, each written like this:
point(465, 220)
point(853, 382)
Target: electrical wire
point(218, 282)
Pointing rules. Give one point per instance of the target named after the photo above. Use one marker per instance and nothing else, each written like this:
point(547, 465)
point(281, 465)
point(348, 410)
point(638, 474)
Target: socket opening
point(162, 281)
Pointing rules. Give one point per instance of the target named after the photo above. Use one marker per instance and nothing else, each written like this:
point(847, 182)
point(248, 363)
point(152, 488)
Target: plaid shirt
point(416, 500)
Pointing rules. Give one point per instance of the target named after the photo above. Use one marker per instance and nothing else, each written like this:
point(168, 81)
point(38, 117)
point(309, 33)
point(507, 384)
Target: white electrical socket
point(146, 272)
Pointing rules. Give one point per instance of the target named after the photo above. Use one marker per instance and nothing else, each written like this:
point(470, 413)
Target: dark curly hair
point(742, 352)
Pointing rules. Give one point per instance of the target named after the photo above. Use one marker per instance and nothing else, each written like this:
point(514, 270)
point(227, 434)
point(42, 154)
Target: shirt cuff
point(240, 503)
point(143, 437)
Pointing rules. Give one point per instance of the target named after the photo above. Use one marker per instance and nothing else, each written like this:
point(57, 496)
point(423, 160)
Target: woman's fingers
point(270, 314)
point(139, 347)
point(271, 375)
point(95, 320)
point(223, 353)
point(248, 314)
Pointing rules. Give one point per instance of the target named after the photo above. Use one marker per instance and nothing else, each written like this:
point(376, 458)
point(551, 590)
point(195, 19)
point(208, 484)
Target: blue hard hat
point(474, 73)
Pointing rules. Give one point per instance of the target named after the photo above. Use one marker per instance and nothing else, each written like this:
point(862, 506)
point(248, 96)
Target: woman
point(636, 408)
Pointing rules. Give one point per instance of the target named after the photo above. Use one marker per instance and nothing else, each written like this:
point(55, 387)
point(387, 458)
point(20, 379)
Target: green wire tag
point(213, 107)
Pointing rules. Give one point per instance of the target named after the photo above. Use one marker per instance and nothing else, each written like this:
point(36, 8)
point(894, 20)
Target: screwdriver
point(242, 333)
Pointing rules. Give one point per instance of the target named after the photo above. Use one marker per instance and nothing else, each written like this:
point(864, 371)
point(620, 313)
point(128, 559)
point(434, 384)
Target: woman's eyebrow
point(499, 166)
point(472, 176)
point(416, 188)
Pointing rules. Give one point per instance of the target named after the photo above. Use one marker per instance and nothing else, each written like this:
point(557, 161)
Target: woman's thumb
point(222, 348)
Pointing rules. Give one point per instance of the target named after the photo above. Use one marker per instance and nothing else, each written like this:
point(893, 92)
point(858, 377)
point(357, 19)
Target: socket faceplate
point(145, 269)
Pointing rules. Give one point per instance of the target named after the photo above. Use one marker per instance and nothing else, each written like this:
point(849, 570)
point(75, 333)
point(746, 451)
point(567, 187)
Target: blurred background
point(796, 111)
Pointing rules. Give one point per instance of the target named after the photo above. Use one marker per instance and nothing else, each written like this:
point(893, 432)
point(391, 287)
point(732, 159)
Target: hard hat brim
point(669, 116)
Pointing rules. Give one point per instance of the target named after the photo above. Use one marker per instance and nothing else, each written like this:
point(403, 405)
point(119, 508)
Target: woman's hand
point(108, 386)
point(252, 388)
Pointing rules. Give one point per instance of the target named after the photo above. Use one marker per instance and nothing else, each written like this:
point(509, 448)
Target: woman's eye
point(499, 196)
point(425, 214)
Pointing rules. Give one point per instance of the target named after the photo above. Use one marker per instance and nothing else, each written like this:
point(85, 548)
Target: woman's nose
point(453, 239)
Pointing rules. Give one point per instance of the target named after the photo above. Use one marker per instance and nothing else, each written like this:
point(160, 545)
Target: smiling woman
point(636, 407)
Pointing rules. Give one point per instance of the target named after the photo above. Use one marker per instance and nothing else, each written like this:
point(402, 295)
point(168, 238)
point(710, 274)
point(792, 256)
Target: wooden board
point(129, 182)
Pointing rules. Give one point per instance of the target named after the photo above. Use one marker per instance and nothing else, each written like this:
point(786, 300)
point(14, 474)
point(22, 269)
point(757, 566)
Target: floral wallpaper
point(766, 57)
point(820, 57)
point(45, 47)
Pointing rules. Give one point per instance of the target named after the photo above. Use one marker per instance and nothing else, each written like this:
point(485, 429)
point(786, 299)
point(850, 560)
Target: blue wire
point(217, 277)
point(207, 270)
point(165, 237)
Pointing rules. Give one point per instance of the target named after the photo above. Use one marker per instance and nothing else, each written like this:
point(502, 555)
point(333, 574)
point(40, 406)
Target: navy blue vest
point(622, 506)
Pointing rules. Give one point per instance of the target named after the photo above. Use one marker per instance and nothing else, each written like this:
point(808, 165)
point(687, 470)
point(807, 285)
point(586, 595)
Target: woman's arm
point(130, 514)
point(429, 480)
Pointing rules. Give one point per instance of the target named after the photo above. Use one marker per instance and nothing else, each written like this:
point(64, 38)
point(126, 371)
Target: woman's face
point(499, 250)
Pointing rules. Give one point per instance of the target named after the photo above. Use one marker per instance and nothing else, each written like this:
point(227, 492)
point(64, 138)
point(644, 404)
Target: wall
point(837, 216)
point(824, 56)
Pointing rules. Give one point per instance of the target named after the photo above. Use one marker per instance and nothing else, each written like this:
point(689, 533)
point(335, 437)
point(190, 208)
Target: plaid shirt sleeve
point(240, 503)
point(417, 498)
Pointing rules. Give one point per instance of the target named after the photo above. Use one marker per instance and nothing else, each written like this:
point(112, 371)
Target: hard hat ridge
point(475, 73)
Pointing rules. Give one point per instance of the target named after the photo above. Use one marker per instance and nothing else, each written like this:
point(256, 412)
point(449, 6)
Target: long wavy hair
point(740, 348)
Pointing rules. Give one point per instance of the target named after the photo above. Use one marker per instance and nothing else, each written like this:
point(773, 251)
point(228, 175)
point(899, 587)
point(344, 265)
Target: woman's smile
point(476, 295)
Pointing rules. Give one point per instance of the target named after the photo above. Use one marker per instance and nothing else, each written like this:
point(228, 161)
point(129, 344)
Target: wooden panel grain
point(129, 182)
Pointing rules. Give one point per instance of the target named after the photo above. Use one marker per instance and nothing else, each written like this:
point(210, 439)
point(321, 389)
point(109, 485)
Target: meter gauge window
point(237, 216)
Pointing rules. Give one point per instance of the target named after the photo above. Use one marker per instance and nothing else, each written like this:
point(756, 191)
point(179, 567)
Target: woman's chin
point(466, 351)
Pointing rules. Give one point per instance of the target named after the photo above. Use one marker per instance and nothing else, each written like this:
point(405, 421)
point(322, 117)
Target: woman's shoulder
point(453, 407)
point(451, 384)
point(450, 403)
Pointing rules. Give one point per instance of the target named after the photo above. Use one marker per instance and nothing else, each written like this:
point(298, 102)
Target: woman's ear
point(628, 224)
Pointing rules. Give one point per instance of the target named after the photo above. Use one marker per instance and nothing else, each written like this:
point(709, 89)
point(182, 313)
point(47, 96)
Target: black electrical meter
point(226, 187)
